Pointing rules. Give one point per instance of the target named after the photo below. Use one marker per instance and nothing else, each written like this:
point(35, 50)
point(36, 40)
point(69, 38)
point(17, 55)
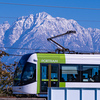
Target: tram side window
point(91, 74)
point(69, 73)
point(45, 71)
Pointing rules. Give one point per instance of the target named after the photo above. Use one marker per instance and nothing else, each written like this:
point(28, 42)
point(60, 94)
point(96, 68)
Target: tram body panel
point(26, 89)
point(82, 85)
point(82, 58)
point(33, 59)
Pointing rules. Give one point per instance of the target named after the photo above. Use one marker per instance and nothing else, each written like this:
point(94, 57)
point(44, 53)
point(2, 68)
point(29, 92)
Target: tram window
point(20, 67)
point(18, 72)
point(44, 71)
point(91, 74)
point(54, 71)
point(69, 73)
point(29, 72)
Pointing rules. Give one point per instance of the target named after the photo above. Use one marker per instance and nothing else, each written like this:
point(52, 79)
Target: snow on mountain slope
point(95, 34)
point(3, 28)
point(32, 32)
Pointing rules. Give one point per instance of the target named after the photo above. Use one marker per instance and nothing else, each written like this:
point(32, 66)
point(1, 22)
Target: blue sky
point(83, 16)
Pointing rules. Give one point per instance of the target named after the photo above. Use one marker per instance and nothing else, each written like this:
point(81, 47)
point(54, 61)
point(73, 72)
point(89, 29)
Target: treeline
point(6, 76)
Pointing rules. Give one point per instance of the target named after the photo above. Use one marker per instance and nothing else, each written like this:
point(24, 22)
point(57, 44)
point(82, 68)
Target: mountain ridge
point(32, 32)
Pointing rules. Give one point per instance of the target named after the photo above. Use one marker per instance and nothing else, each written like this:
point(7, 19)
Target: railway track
point(22, 98)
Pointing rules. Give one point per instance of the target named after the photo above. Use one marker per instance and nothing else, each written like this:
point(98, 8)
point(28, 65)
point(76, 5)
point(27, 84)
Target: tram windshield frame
point(24, 66)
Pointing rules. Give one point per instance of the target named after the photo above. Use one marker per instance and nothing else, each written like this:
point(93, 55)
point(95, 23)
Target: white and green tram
point(36, 72)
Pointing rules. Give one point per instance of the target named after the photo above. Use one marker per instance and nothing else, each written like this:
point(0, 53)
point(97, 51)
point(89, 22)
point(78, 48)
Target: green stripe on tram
point(47, 58)
point(45, 79)
point(51, 80)
point(54, 80)
point(62, 84)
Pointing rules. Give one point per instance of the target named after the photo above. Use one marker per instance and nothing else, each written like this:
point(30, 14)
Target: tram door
point(49, 76)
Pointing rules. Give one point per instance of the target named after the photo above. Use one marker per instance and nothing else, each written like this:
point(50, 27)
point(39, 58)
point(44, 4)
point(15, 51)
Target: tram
point(38, 71)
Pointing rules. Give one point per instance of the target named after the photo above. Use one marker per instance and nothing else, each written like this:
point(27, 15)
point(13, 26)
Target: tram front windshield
point(24, 72)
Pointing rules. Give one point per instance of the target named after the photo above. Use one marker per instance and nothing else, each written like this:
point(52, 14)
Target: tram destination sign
point(49, 61)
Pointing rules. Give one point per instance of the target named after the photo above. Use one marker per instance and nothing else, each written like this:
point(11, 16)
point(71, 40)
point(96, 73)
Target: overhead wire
point(9, 54)
point(49, 6)
point(8, 17)
point(25, 48)
point(53, 19)
point(14, 54)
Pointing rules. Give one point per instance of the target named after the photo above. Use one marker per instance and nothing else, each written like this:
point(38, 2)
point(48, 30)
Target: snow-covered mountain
point(32, 32)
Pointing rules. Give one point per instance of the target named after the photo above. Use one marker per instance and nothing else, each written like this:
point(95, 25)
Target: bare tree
point(6, 75)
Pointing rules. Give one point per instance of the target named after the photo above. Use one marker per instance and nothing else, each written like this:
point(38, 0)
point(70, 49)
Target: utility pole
point(61, 49)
